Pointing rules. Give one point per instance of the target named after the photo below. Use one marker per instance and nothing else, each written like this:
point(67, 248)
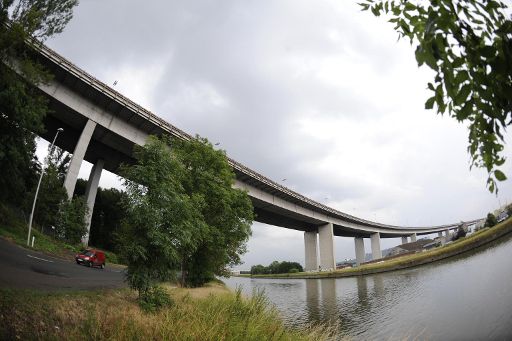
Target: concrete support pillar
point(413, 237)
point(404, 240)
point(326, 246)
point(90, 195)
point(310, 242)
point(360, 254)
point(447, 233)
point(376, 252)
point(440, 234)
point(78, 156)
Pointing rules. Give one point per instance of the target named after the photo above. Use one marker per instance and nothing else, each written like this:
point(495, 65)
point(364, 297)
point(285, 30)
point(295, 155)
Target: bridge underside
point(274, 215)
point(104, 145)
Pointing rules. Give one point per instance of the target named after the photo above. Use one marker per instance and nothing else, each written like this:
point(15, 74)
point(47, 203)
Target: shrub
point(491, 220)
point(154, 298)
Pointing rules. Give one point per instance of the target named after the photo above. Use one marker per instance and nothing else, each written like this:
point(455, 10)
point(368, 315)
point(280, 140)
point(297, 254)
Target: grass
point(13, 228)
point(208, 313)
point(462, 245)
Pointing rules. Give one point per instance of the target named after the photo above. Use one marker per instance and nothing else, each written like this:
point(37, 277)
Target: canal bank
point(477, 240)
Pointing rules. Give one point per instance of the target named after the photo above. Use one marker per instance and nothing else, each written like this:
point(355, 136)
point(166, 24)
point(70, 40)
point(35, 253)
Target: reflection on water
point(464, 298)
point(312, 299)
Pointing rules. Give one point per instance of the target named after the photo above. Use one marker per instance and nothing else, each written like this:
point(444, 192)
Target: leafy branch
point(469, 47)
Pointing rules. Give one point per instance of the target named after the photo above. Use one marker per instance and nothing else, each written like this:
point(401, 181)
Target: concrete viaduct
point(101, 126)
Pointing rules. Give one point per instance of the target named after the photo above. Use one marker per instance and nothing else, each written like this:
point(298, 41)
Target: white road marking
point(46, 260)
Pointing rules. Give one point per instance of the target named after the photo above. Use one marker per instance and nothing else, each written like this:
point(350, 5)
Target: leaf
point(420, 56)
point(461, 77)
point(488, 51)
point(466, 110)
point(364, 7)
point(429, 104)
point(491, 186)
point(457, 62)
point(463, 94)
point(499, 175)
point(409, 7)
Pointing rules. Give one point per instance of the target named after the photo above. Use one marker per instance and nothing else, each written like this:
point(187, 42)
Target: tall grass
point(115, 315)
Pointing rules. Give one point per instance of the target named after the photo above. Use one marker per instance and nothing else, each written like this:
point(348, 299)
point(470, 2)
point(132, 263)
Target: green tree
point(467, 43)
point(161, 219)
point(21, 107)
point(182, 215)
point(277, 268)
point(491, 220)
point(286, 267)
point(52, 192)
point(226, 212)
point(273, 268)
point(109, 210)
point(71, 226)
point(258, 269)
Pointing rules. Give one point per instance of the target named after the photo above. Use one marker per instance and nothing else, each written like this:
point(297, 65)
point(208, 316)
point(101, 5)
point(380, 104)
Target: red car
point(91, 258)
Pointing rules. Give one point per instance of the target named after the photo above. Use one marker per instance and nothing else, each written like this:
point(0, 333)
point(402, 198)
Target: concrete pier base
point(376, 252)
point(90, 195)
point(404, 240)
point(360, 253)
point(326, 246)
point(413, 237)
point(310, 248)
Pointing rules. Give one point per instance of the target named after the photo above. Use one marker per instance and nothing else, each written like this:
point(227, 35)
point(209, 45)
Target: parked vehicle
point(503, 215)
point(91, 258)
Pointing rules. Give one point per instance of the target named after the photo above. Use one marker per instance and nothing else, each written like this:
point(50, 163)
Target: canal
point(468, 297)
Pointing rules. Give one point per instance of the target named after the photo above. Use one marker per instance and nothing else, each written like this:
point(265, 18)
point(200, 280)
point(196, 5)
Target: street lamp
point(37, 190)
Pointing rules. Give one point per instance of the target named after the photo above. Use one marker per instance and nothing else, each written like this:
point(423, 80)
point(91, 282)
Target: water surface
point(463, 298)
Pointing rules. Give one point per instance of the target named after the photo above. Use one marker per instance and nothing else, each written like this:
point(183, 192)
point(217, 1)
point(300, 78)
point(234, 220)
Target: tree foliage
point(182, 214)
point(226, 213)
point(71, 225)
point(276, 268)
point(109, 210)
point(468, 44)
point(161, 220)
point(21, 107)
point(491, 220)
point(52, 192)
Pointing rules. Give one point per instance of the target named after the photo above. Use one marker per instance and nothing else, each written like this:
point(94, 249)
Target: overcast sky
point(314, 92)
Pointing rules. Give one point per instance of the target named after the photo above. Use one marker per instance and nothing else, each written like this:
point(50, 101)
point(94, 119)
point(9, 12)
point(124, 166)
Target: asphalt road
point(26, 269)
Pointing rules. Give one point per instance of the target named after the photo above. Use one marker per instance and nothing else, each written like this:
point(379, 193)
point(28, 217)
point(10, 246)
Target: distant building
point(348, 263)
point(410, 247)
point(432, 245)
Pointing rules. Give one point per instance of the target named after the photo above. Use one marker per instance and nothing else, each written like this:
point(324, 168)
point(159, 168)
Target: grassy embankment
point(208, 313)
point(13, 228)
point(462, 245)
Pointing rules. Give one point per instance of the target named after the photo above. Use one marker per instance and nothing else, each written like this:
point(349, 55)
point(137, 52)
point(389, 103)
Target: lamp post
point(37, 190)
